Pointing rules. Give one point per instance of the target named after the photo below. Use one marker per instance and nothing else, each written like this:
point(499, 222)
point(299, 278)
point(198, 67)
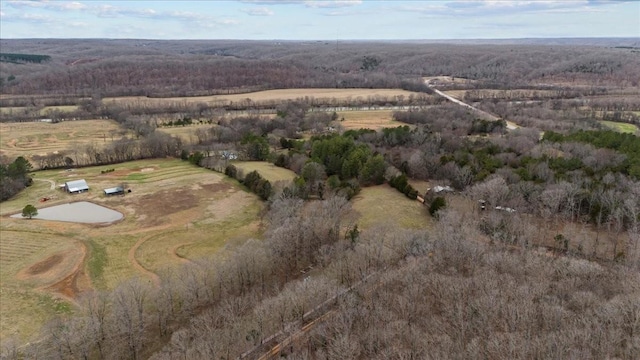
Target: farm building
point(76, 186)
point(118, 190)
point(436, 191)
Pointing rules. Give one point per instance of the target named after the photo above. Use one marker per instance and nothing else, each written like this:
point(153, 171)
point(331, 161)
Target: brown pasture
point(268, 95)
point(369, 119)
point(39, 138)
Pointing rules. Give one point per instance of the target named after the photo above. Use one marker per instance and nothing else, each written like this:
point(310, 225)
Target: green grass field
point(384, 205)
point(621, 127)
point(23, 308)
point(266, 169)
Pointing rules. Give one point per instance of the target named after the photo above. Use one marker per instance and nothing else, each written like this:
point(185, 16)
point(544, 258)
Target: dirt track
point(510, 125)
point(63, 283)
point(132, 259)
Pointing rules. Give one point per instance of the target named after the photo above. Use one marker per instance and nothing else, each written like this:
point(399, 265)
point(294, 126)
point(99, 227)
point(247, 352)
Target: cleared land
point(175, 212)
point(39, 138)
point(383, 205)
point(369, 119)
point(267, 170)
point(28, 263)
point(186, 133)
point(269, 95)
point(621, 127)
point(9, 110)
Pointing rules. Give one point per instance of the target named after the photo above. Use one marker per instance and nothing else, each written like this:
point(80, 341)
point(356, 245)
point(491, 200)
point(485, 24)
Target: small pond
point(79, 212)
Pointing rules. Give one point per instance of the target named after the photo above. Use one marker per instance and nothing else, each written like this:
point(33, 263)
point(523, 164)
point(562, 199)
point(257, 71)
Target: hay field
point(266, 169)
point(39, 138)
point(267, 95)
point(368, 119)
point(383, 205)
point(176, 212)
point(186, 133)
point(9, 110)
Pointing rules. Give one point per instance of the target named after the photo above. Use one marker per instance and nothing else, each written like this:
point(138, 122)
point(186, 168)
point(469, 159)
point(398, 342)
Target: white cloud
point(258, 11)
point(307, 3)
point(332, 3)
point(44, 4)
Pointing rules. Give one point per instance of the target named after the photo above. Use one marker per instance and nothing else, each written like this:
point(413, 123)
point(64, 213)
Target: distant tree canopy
point(20, 58)
point(14, 177)
point(256, 147)
point(627, 144)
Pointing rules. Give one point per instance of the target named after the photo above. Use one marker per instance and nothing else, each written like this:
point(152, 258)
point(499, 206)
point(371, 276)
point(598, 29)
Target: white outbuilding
point(76, 186)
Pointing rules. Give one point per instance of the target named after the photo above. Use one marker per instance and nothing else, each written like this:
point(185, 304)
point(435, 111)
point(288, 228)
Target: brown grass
point(268, 95)
point(381, 205)
point(38, 138)
point(186, 133)
point(369, 119)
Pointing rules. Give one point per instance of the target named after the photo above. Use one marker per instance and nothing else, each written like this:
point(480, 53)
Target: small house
point(118, 190)
point(76, 186)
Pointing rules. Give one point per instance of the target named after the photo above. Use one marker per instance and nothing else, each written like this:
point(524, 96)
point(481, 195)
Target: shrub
point(437, 204)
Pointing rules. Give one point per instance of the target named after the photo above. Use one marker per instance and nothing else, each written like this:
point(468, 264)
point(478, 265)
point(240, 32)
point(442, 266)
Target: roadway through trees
point(510, 125)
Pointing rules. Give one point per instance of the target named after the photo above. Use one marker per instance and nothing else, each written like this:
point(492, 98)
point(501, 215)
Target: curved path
point(173, 252)
point(53, 183)
point(132, 259)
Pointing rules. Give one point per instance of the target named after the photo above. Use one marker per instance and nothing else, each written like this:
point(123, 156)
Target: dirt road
point(510, 125)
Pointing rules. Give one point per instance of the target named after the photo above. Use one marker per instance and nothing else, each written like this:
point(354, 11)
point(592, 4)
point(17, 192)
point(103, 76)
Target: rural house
point(76, 186)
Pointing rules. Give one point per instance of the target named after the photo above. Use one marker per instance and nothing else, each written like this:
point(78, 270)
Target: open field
point(9, 110)
point(266, 169)
point(39, 138)
point(186, 133)
point(621, 127)
point(369, 119)
point(268, 96)
point(28, 262)
point(448, 80)
point(175, 212)
point(382, 204)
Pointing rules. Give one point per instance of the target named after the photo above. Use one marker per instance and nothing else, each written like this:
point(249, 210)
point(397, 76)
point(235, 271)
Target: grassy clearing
point(381, 205)
point(186, 133)
point(23, 308)
point(38, 138)
point(266, 169)
point(370, 119)
point(621, 127)
point(177, 209)
point(420, 185)
point(268, 95)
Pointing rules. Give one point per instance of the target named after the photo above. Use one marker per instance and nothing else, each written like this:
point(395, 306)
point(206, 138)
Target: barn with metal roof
point(76, 186)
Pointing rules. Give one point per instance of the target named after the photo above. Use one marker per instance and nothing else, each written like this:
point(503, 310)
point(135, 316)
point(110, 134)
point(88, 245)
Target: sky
point(319, 20)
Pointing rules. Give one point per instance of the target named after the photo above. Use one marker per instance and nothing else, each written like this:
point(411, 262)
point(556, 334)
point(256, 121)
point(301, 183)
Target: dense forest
point(173, 68)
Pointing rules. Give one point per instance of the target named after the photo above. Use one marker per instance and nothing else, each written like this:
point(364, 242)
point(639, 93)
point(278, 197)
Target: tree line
point(14, 176)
